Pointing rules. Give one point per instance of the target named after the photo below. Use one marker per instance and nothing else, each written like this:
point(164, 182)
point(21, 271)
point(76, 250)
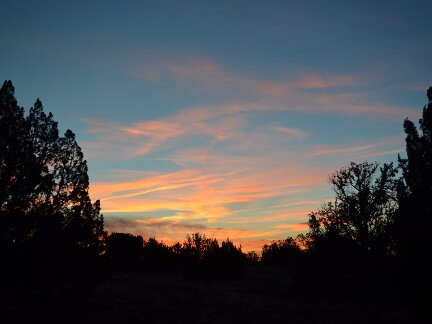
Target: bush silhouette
point(226, 261)
point(285, 253)
point(203, 257)
point(158, 256)
point(124, 250)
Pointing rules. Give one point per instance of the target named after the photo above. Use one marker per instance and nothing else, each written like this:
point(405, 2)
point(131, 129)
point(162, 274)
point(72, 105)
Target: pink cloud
point(292, 132)
point(305, 81)
point(314, 81)
point(287, 93)
point(207, 74)
point(364, 150)
point(197, 68)
point(328, 149)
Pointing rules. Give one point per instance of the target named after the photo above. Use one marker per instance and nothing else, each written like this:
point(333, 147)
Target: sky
point(220, 117)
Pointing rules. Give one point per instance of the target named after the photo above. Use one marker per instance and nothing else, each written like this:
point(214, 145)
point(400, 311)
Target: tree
point(350, 241)
point(414, 221)
point(225, 261)
point(19, 173)
point(362, 214)
point(43, 182)
point(252, 258)
point(157, 255)
point(204, 257)
point(197, 246)
point(281, 253)
point(416, 190)
point(124, 250)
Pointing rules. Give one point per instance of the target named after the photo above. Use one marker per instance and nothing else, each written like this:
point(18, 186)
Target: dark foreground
point(263, 295)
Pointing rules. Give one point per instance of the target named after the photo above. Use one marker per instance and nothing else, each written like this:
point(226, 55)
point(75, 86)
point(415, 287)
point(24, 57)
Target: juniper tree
point(43, 180)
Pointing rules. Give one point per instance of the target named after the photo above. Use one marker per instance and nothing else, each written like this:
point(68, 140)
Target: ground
point(262, 295)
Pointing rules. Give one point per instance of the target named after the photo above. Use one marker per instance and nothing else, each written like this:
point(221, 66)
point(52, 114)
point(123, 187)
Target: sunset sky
point(220, 117)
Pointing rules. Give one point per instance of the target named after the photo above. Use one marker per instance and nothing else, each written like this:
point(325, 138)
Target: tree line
point(375, 233)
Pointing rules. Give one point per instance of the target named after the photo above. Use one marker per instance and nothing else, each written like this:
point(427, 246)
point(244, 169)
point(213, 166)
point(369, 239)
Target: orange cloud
point(298, 227)
point(199, 194)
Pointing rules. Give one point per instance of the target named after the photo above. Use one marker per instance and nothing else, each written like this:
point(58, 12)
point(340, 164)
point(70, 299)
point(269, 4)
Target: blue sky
point(220, 117)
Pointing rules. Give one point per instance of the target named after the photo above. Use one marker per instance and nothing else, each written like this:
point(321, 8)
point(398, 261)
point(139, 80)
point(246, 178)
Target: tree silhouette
point(252, 258)
point(416, 190)
point(124, 250)
point(224, 261)
point(44, 182)
point(19, 173)
point(159, 256)
point(50, 231)
point(362, 214)
point(281, 253)
point(197, 246)
point(415, 215)
point(204, 257)
point(350, 241)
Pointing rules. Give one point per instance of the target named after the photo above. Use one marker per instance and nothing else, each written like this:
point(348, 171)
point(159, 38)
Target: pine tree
point(43, 181)
point(417, 168)
point(416, 190)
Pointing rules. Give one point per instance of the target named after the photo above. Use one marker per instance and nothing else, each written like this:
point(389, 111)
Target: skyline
point(224, 119)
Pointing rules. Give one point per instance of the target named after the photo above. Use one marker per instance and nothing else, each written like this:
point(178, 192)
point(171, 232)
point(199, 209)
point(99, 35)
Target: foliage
point(417, 167)
point(50, 231)
point(416, 189)
point(124, 250)
point(414, 220)
point(158, 255)
point(197, 246)
point(252, 258)
point(202, 256)
point(362, 214)
point(44, 182)
point(227, 261)
point(281, 253)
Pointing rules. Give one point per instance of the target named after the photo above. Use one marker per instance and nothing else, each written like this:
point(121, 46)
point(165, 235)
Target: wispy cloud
point(209, 75)
point(297, 227)
point(305, 91)
point(291, 132)
point(365, 150)
point(226, 123)
point(236, 174)
point(197, 194)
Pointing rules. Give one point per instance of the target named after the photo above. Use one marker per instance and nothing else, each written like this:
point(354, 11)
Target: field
point(262, 295)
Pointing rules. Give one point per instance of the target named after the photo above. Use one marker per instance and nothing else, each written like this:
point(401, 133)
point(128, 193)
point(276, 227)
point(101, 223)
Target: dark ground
point(263, 295)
